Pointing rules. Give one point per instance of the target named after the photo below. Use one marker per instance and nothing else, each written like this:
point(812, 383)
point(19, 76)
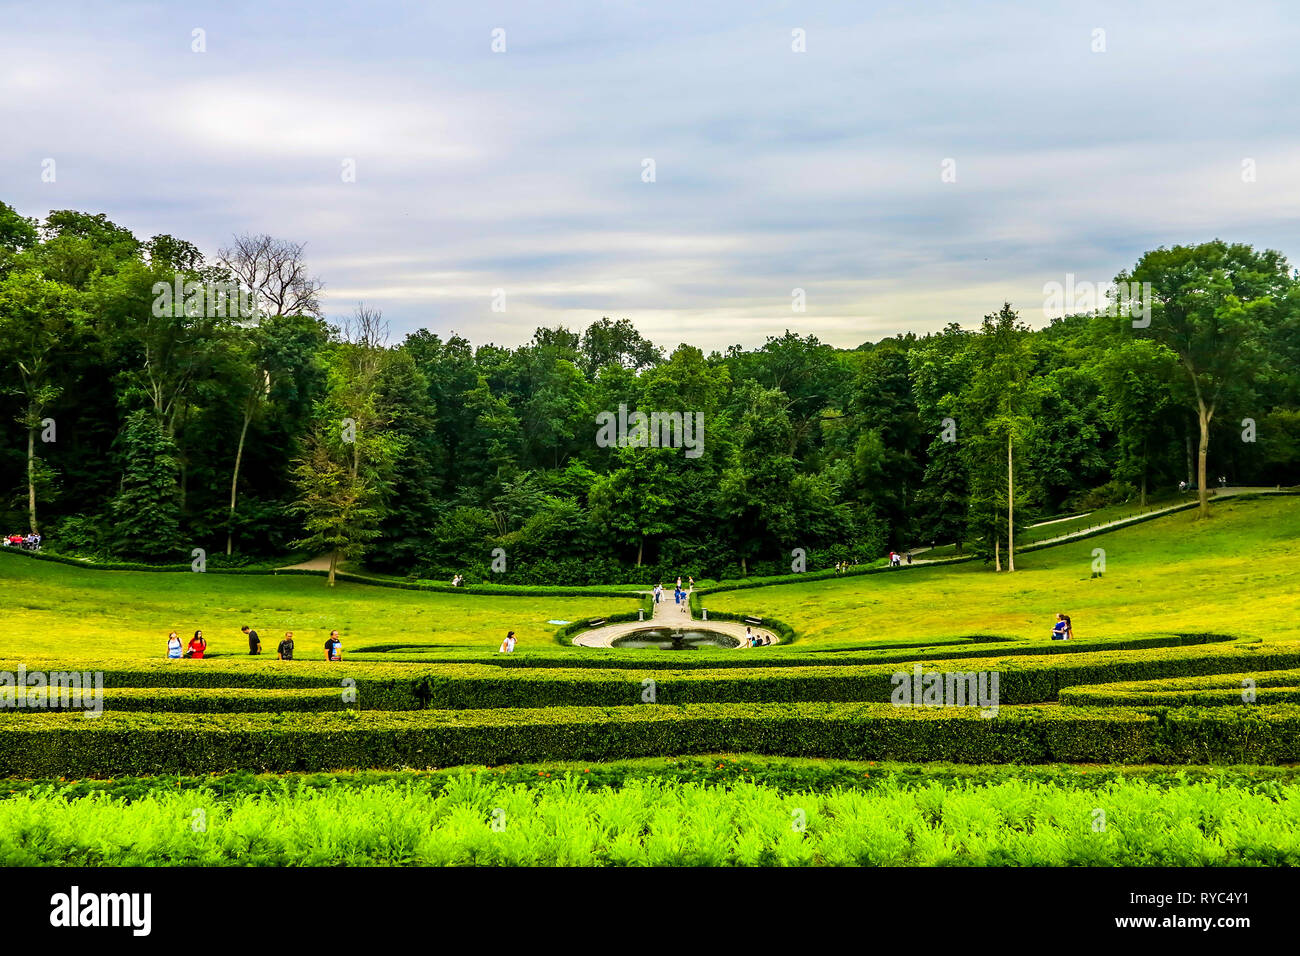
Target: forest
point(156, 400)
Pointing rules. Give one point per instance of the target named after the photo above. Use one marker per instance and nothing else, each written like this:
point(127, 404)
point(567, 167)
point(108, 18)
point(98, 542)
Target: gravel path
point(1129, 519)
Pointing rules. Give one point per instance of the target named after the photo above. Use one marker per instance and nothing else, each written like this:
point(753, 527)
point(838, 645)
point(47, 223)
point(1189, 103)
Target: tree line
point(156, 401)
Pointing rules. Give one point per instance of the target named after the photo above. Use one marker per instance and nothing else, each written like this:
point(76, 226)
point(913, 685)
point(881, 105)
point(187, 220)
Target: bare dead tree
point(366, 328)
point(275, 271)
point(367, 333)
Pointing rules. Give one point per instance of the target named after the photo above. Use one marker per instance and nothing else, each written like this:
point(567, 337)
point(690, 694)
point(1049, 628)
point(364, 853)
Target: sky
point(904, 165)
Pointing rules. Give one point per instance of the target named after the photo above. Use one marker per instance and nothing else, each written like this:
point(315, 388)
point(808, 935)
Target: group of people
point(198, 646)
point(681, 595)
point(1185, 486)
point(755, 640)
point(27, 542)
point(458, 580)
point(896, 559)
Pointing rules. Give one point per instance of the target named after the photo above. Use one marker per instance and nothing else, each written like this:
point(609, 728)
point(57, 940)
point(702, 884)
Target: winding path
point(1189, 501)
point(668, 615)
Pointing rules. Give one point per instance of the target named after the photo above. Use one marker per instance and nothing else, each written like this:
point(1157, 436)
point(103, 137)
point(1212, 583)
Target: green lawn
point(57, 610)
point(1234, 573)
point(1083, 522)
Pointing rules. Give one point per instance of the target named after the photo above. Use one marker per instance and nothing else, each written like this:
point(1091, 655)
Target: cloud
point(775, 170)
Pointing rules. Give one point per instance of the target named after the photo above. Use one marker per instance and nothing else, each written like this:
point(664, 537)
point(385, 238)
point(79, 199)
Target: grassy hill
point(1233, 573)
point(58, 610)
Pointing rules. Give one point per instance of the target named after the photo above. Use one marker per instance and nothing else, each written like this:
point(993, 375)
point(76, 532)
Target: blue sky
point(774, 169)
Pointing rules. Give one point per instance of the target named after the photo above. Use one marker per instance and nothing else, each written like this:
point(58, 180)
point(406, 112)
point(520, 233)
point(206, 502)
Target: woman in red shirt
point(197, 646)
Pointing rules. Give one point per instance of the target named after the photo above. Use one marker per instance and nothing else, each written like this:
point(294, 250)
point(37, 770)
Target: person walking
point(197, 646)
point(285, 651)
point(333, 647)
point(173, 647)
point(254, 642)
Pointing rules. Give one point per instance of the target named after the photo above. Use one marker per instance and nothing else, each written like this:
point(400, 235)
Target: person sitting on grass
point(173, 647)
point(333, 647)
point(285, 651)
point(197, 646)
point(254, 642)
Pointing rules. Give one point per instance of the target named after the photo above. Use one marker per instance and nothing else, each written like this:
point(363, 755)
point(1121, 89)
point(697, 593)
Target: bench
point(753, 620)
point(596, 623)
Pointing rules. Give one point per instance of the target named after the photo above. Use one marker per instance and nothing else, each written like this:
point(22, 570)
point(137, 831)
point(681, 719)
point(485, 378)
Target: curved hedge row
point(566, 632)
point(504, 590)
point(382, 686)
point(480, 685)
point(116, 744)
point(220, 700)
point(1274, 686)
point(1101, 697)
point(602, 658)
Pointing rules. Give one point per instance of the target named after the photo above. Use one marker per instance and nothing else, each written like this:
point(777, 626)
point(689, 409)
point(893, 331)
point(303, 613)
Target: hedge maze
point(1155, 699)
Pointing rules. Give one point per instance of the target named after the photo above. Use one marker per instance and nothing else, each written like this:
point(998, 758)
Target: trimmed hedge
point(1101, 697)
point(784, 632)
point(379, 686)
point(1215, 690)
point(1227, 681)
point(605, 658)
point(220, 700)
point(1023, 680)
point(506, 590)
point(116, 744)
point(481, 685)
point(566, 632)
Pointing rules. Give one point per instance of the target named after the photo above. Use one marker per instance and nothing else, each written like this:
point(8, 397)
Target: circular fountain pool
point(675, 639)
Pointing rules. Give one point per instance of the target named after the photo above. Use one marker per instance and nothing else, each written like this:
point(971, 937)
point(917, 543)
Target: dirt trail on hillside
point(320, 563)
